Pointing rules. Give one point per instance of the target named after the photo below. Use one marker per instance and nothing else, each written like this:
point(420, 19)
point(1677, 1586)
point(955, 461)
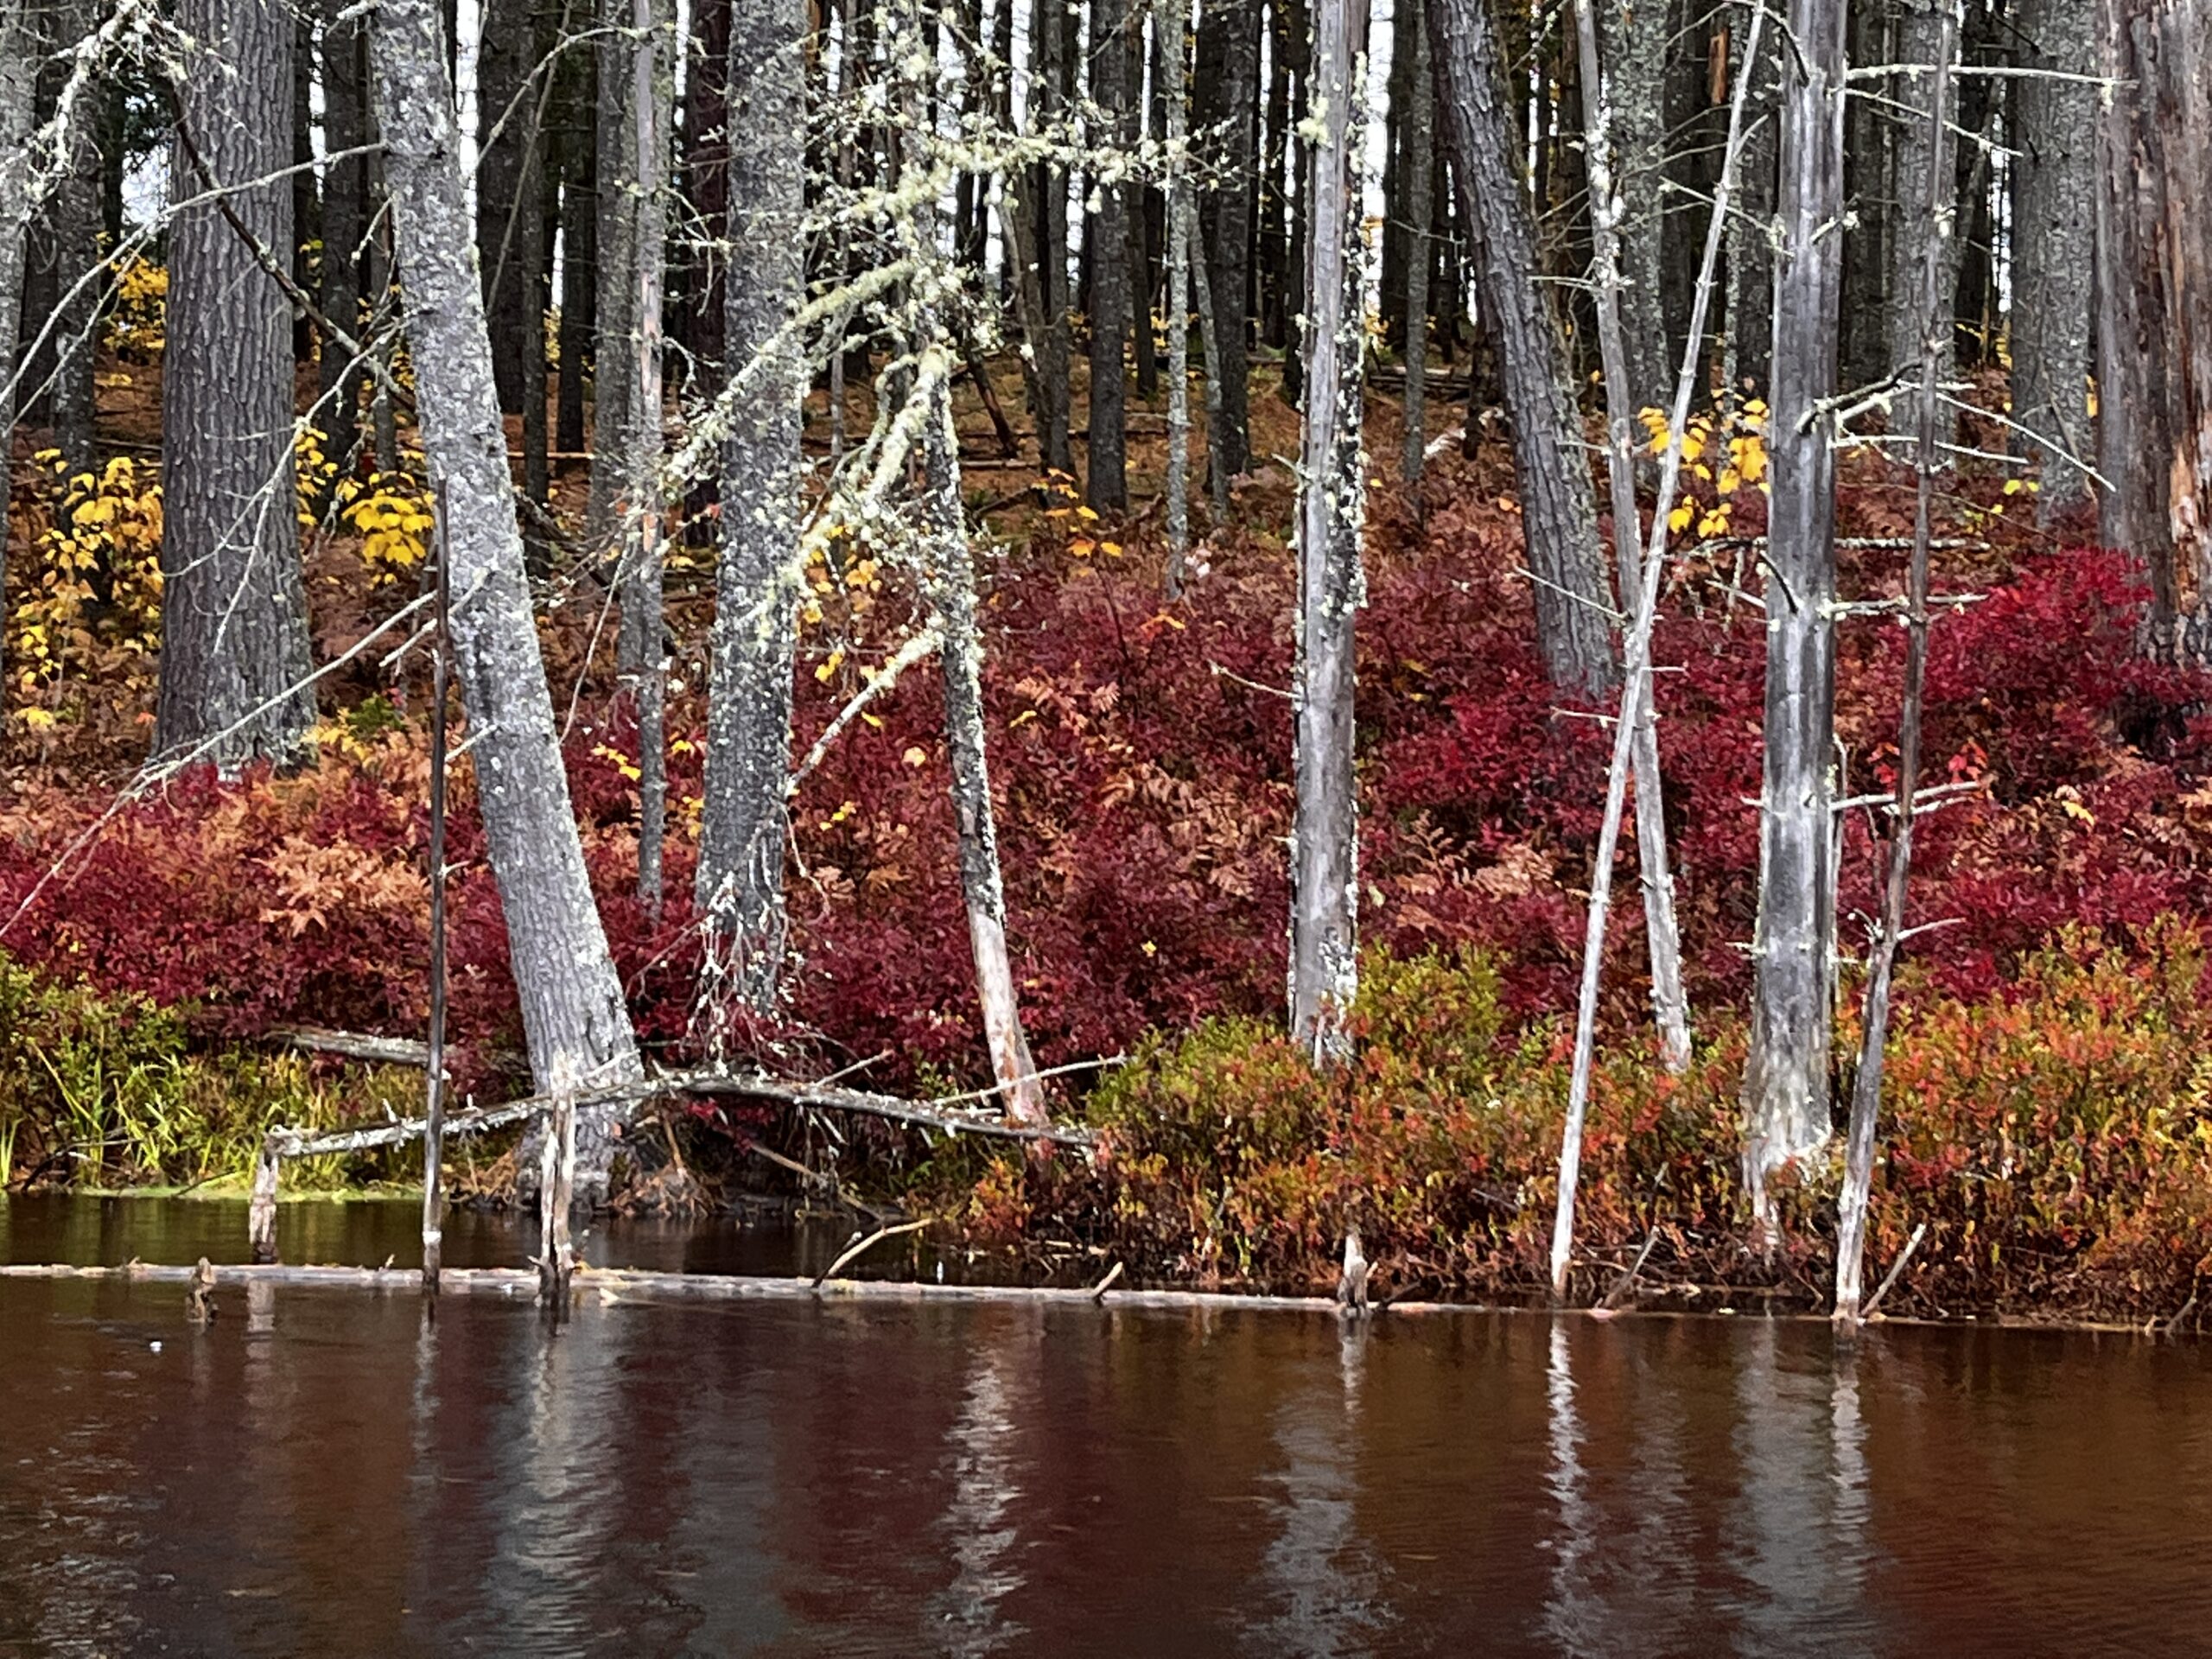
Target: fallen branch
point(1896, 1267)
point(1098, 1291)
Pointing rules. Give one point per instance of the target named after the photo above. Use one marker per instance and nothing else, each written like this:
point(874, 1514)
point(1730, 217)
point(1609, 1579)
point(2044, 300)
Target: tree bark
point(1915, 204)
point(614, 358)
point(2054, 220)
point(1558, 517)
point(1332, 515)
point(1748, 357)
point(1226, 94)
point(1633, 34)
point(507, 101)
point(2155, 304)
point(19, 53)
point(1106, 485)
point(576, 145)
point(1171, 20)
point(744, 821)
point(1049, 242)
point(69, 249)
point(345, 224)
point(234, 636)
point(573, 1014)
point(1418, 137)
point(1786, 1075)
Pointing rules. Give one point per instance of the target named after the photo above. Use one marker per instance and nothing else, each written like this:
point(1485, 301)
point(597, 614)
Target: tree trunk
point(1332, 514)
point(1048, 225)
point(18, 111)
point(1227, 94)
point(1418, 135)
point(1634, 36)
point(234, 634)
point(1869, 163)
point(1172, 22)
point(2053, 220)
point(346, 128)
point(706, 189)
point(507, 101)
point(744, 821)
point(1748, 361)
point(1786, 1075)
point(578, 1029)
point(615, 355)
point(1558, 516)
point(1912, 200)
point(2155, 306)
point(70, 249)
point(1106, 485)
point(644, 654)
point(577, 148)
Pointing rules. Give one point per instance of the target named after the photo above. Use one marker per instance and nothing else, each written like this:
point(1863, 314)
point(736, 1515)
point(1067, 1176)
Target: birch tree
point(743, 826)
point(1332, 515)
point(234, 633)
point(1786, 1075)
point(573, 1013)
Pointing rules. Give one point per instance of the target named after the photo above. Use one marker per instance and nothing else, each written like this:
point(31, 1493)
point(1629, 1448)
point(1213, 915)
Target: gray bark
point(573, 1014)
point(234, 636)
point(1332, 514)
point(1419, 137)
point(1048, 240)
point(650, 108)
point(1748, 355)
point(1558, 517)
point(1106, 485)
point(1912, 200)
point(1633, 36)
point(18, 96)
point(1608, 213)
point(2054, 221)
point(1171, 20)
point(1786, 1075)
point(744, 823)
point(573, 145)
point(68, 248)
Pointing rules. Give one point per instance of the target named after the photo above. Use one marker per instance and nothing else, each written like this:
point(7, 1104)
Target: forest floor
point(2049, 1107)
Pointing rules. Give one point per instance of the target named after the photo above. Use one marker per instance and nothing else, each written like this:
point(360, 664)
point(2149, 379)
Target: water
point(329, 1472)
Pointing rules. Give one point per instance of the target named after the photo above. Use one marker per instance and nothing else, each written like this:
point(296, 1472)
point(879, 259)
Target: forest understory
point(2045, 1115)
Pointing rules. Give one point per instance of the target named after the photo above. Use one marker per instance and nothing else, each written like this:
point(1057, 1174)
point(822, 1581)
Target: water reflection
point(339, 1474)
point(1323, 1582)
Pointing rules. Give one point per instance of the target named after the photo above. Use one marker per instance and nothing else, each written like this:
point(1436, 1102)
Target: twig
point(1098, 1291)
point(875, 1237)
point(1634, 1267)
point(1896, 1267)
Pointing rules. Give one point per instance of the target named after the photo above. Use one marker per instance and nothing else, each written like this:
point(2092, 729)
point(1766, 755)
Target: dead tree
point(1866, 1088)
point(2154, 300)
point(573, 1013)
point(1332, 515)
point(743, 827)
point(1786, 1075)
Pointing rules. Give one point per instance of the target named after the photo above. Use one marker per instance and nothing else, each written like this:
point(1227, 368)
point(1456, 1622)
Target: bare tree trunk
point(2053, 220)
point(1634, 725)
point(573, 1014)
point(1557, 517)
point(506, 106)
point(72, 250)
point(1410, 36)
point(743, 824)
point(644, 654)
point(1172, 22)
point(1106, 486)
point(18, 111)
point(1921, 23)
point(234, 635)
point(1332, 514)
point(1048, 222)
point(1793, 950)
point(1866, 1088)
point(1608, 211)
point(949, 584)
point(1634, 37)
point(2155, 304)
point(1748, 355)
point(577, 153)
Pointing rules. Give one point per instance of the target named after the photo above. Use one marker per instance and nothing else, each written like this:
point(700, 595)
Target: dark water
point(328, 1473)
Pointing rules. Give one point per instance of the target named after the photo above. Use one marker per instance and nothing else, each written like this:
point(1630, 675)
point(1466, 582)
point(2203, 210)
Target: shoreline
point(610, 1285)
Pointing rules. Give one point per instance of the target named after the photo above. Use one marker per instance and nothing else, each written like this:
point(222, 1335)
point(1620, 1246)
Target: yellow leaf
point(916, 756)
point(1679, 519)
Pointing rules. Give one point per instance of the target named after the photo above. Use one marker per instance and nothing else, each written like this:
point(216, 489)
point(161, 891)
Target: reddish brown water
point(332, 1472)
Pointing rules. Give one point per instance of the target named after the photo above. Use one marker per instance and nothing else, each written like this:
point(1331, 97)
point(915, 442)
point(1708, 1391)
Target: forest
point(1570, 640)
